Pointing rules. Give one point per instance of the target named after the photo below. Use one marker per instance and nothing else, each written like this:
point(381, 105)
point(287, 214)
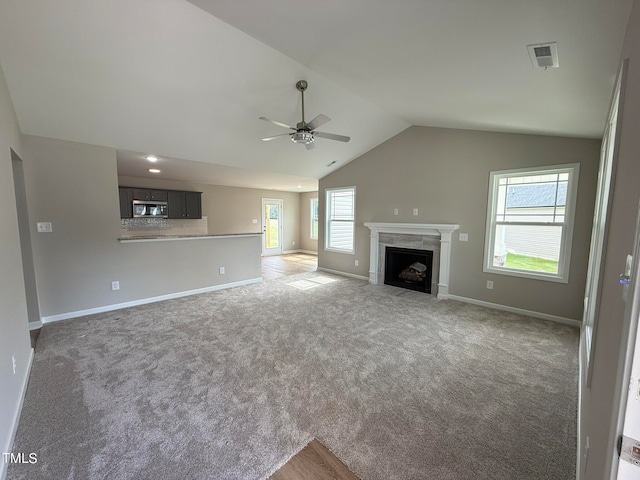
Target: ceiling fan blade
point(310, 146)
point(280, 124)
point(266, 139)
point(318, 121)
point(332, 136)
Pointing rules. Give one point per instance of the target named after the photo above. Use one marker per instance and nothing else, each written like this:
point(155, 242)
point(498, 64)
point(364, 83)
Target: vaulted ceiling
point(187, 80)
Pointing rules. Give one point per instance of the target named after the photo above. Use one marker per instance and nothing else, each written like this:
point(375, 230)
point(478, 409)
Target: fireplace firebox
point(408, 268)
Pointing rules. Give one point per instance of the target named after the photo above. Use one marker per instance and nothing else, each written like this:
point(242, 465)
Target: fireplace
point(408, 268)
point(427, 236)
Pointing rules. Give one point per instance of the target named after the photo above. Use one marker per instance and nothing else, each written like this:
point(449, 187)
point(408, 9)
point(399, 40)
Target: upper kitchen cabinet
point(149, 194)
point(126, 202)
point(185, 205)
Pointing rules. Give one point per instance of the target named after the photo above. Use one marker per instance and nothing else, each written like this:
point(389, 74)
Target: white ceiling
point(166, 77)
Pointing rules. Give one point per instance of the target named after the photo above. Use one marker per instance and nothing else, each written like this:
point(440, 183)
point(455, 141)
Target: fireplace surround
point(427, 236)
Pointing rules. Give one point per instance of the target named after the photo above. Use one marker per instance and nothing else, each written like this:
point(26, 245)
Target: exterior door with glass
point(272, 228)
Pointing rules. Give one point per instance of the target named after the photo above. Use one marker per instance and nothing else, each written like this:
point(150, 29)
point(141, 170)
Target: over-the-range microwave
point(146, 209)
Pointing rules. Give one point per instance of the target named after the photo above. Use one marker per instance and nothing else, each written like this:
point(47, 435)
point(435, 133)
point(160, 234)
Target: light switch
point(395, 211)
point(463, 237)
point(44, 227)
point(255, 220)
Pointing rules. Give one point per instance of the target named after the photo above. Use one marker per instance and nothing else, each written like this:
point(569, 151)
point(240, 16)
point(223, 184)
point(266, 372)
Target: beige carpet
point(231, 384)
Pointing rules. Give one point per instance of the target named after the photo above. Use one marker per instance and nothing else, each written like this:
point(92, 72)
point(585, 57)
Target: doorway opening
point(28, 266)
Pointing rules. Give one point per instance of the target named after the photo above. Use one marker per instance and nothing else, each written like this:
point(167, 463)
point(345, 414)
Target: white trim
point(344, 274)
point(328, 213)
point(202, 237)
point(579, 413)
point(521, 311)
point(287, 252)
point(35, 325)
point(573, 169)
point(442, 230)
point(279, 250)
point(16, 417)
point(143, 301)
point(317, 200)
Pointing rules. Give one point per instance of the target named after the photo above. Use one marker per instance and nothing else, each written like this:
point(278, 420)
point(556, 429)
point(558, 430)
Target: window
point(530, 222)
point(340, 214)
point(314, 219)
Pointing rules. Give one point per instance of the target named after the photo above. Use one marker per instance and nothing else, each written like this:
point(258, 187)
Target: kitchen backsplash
point(142, 227)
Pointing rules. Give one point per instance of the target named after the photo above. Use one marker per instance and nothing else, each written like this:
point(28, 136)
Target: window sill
point(530, 275)
point(335, 250)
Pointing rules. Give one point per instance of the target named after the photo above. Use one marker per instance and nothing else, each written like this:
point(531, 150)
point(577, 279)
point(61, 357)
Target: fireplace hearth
point(408, 268)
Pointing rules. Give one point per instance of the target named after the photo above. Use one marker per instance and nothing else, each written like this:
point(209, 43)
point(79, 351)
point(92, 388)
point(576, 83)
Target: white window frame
point(328, 214)
point(313, 218)
point(562, 276)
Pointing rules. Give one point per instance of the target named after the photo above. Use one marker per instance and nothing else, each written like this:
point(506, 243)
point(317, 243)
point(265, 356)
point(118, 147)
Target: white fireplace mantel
point(442, 230)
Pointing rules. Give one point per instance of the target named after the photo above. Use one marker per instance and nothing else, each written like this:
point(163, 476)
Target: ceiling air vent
point(543, 55)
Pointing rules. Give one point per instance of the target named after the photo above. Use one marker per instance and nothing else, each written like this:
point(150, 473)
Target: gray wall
point(75, 186)
point(232, 209)
point(14, 334)
point(445, 174)
point(306, 243)
point(598, 401)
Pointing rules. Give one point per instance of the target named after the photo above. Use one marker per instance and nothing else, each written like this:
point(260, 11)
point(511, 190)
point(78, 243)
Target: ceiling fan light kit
point(304, 132)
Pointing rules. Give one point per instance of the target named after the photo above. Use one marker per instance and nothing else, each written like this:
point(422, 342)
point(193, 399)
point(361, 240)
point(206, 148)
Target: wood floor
point(276, 266)
point(314, 462)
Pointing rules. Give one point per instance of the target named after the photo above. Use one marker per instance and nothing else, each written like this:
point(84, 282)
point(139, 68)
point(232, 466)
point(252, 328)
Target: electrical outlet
point(13, 361)
point(255, 220)
point(463, 237)
point(395, 211)
point(490, 284)
point(115, 285)
point(293, 243)
point(415, 212)
point(221, 270)
point(44, 227)
point(357, 263)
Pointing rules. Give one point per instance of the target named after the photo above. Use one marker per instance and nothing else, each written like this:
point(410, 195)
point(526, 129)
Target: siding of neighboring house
point(532, 241)
point(538, 241)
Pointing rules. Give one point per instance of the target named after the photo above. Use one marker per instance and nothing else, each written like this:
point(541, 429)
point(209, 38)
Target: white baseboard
point(344, 274)
point(35, 325)
point(581, 372)
point(521, 311)
point(143, 301)
point(16, 418)
point(310, 252)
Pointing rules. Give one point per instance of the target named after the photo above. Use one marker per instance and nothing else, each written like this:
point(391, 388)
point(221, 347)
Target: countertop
point(162, 238)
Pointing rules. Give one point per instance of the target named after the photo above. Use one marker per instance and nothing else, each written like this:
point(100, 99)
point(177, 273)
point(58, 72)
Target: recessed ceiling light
point(299, 186)
point(151, 158)
point(154, 170)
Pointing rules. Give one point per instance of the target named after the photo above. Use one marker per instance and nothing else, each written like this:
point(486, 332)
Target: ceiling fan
point(304, 132)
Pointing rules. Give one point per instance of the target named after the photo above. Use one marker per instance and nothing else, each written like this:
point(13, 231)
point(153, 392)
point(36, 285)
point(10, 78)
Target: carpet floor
point(231, 384)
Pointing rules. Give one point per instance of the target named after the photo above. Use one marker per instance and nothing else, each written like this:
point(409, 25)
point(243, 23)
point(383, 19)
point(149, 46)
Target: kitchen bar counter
point(165, 238)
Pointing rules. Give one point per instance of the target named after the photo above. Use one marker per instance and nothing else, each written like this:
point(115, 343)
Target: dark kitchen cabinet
point(126, 202)
point(184, 205)
point(193, 204)
point(149, 194)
